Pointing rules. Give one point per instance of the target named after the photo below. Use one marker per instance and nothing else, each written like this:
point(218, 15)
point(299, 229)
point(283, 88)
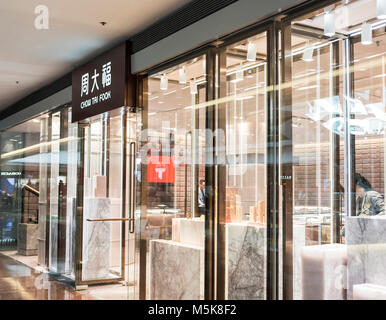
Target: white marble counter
point(299, 241)
point(177, 266)
point(27, 240)
point(245, 258)
point(367, 291)
point(176, 271)
point(190, 231)
point(366, 246)
point(323, 271)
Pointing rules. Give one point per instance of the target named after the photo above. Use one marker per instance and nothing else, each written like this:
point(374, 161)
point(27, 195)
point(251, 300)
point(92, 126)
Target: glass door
point(170, 226)
point(101, 253)
point(132, 200)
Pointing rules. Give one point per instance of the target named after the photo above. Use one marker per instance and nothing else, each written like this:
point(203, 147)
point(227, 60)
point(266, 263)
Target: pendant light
point(164, 82)
point(193, 87)
point(251, 52)
point(366, 35)
point(182, 75)
point(308, 52)
point(381, 9)
point(329, 23)
point(240, 72)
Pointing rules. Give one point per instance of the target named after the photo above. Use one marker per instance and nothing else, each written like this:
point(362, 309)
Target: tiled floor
point(19, 282)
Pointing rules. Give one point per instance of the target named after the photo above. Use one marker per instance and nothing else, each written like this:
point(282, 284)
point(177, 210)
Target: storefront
point(249, 168)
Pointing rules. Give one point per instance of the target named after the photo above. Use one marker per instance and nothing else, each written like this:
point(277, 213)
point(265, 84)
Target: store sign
point(101, 85)
point(160, 169)
point(11, 173)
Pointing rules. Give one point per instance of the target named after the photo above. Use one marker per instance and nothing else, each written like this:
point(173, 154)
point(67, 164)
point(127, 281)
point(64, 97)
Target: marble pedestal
point(96, 239)
point(367, 291)
point(190, 231)
point(366, 245)
point(323, 272)
point(176, 271)
point(177, 266)
point(299, 241)
point(27, 239)
point(245, 257)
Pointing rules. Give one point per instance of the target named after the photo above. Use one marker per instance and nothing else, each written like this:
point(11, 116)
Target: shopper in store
point(201, 197)
point(368, 201)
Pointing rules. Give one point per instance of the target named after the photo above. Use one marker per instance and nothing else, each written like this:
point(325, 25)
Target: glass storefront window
point(173, 193)
point(252, 170)
point(57, 206)
point(38, 221)
point(332, 132)
point(19, 180)
point(242, 192)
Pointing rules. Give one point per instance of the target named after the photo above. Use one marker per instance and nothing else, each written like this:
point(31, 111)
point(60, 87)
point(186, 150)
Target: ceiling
point(31, 58)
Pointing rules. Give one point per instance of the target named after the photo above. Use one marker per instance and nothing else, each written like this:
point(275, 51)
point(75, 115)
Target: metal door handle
point(132, 186)
point(108, 219)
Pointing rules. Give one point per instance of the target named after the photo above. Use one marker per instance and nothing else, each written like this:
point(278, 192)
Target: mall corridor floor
point(19, 282)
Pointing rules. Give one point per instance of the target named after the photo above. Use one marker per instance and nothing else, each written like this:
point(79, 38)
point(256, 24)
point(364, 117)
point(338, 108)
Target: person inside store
point(5, 201)
point(368, 201)
point(201, 197)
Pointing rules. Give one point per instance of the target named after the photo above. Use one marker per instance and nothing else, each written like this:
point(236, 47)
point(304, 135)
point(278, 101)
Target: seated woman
point(368, 201)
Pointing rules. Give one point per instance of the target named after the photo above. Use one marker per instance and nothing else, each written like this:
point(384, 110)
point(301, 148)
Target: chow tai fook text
point(105, 82)
point(94, 100)
point(100, 85)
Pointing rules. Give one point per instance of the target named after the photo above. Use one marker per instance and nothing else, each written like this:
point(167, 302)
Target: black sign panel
point(100, 85)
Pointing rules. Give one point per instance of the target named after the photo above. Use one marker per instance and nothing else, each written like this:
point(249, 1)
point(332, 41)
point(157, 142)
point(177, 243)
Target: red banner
point(160, 169)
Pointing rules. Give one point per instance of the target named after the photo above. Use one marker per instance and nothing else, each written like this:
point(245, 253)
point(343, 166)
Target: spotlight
point(252, 50)
point(240, 73)
point(367, 36)
point(193, 87)
point(381, 9)
point(329, 23)
point(164, 82)
point(308, 52)
point(182, 75)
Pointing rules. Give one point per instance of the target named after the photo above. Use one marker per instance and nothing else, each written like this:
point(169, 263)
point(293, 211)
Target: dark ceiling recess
point(185, 16)
point(37, 96)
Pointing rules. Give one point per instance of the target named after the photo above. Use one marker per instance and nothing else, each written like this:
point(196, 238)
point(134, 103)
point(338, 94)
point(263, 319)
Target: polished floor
point(19, 282)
